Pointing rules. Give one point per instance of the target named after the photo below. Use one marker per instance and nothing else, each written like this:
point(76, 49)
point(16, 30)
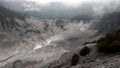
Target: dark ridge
point(110, 43)
point(108, 23)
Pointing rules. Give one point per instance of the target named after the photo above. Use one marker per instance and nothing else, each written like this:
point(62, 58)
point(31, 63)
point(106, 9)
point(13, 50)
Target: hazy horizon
point(61, 8)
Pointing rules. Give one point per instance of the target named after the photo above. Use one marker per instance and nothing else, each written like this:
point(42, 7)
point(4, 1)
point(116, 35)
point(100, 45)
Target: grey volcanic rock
point(19, 37)
point(15, 23)
point(30, 42)
point(93, 60)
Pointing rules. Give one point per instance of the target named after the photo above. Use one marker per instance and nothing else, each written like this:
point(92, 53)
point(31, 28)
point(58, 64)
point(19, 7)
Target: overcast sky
point(58, 7)
point(65, 1)
point(68, 2)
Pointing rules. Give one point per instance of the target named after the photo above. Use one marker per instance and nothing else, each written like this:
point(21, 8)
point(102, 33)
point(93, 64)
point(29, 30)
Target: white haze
point(73, 30)
point(52, 9)
point(73, 2)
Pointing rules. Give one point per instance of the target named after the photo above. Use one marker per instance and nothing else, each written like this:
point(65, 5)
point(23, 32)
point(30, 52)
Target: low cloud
point(62, 9)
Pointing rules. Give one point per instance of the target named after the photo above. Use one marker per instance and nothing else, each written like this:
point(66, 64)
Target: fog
point(61, 8)
point(53, 31)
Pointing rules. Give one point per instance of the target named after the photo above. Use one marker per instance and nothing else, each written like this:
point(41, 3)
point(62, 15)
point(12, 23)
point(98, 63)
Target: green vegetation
point(89, 42)
point(75, 60)
point(59, 23)
point(110, 43)
point(17, 64)
point(46, 26)
point(86, 50)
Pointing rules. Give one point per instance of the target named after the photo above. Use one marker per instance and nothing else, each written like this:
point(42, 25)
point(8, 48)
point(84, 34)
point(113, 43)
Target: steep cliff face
point(15, 23)
point(8, 19)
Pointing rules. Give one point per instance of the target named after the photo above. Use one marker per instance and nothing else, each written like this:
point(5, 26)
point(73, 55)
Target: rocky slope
point(30, 42)
point(21, 38)
point(94, 59)
point(13, 22)
point(89, 55)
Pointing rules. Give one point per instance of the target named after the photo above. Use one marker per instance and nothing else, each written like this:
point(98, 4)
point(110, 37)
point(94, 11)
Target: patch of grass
point(110, 43)
point(75, 60)
point(86, 50)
